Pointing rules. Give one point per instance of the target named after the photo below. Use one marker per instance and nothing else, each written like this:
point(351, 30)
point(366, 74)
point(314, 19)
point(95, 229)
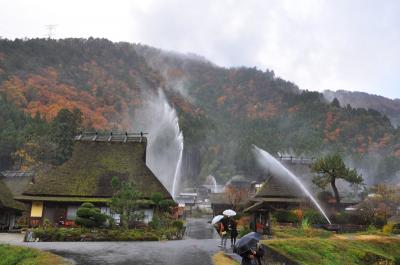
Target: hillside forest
point(53, 89)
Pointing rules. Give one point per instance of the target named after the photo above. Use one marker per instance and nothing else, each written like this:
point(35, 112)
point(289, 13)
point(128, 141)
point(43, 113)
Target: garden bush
point(84, 234)
point(314, 217)
point(166, 204)
point(388, 228)
point(89, 216)
point(178, 224)
point(285, 216)
point(244, 231)
point(341, 218)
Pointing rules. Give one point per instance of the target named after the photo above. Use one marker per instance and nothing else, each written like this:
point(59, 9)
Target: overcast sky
point(335, 44)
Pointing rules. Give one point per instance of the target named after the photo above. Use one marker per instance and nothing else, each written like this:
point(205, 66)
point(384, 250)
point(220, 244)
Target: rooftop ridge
point(112, 137)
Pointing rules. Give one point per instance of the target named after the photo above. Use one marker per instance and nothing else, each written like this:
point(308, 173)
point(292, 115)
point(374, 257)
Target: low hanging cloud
point(343, 44)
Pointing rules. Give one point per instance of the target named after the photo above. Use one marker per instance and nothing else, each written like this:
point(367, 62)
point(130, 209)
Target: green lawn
point(339, 250)
point(12, 255)
point(291, 232)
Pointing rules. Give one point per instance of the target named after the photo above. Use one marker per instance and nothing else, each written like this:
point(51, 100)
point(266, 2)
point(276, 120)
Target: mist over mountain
point(222, 111)
point(387, 106)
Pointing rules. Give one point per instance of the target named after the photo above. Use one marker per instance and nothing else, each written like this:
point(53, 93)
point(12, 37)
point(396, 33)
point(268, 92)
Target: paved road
point(197, 249)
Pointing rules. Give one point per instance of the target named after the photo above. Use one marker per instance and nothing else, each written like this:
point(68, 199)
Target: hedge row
point(48, 234)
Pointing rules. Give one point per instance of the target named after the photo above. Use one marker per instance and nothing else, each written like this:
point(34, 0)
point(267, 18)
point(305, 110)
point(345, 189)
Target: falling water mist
point(275, 167)
point(165, 140)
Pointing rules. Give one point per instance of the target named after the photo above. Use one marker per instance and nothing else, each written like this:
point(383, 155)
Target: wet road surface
point(200, 243)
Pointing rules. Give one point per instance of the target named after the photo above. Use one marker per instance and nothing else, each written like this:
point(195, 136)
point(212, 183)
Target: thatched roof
point(238, 181)
point(17, 181)
point(7, 199)
point(88, 173)
point(274, 187)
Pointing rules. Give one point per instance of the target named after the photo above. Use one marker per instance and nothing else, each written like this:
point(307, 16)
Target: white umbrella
point(216, 219)
point(229, 213)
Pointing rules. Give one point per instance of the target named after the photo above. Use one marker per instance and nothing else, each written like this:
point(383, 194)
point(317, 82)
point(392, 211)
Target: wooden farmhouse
point(273, 195)
point(10, 209)
point(86, 177)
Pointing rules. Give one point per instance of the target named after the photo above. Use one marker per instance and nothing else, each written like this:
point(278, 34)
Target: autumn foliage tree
point(236, 195)
point(330, 168)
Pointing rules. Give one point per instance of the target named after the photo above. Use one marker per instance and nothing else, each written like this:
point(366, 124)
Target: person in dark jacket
point(259, 254)
point(234, 232)
point(248, 258)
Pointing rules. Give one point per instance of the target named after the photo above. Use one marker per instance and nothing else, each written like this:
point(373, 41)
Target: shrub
point(155, 223)
point(285, 216)
point(397, 260)
point(178, 224)
point(341, 218)
point(314, 217)
point(88, 216)
point(148, 236)
point(166, 204)
point(388, 228)
point(305, 224)
point(244, 231)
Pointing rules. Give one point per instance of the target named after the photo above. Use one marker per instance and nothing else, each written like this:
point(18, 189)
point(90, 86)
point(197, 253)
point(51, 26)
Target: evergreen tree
point(329, 169)
point(65, 127)
point(125, 200)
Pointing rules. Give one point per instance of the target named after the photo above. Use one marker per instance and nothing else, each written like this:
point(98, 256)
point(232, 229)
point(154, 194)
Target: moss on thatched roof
point(7, 199)
point(93, 164)
point(17, 181)
point(274, 187)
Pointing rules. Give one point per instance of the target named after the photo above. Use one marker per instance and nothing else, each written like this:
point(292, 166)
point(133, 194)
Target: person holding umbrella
point(233, 230)
point(247, 247)
point(248, 258)
point(223, 231)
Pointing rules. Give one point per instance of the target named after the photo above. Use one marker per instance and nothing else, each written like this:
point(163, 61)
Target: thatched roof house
point(274, 194)
point(10, 209)
point(7, 199)
point(18, 181)
point(276, 190)
point(87, 175)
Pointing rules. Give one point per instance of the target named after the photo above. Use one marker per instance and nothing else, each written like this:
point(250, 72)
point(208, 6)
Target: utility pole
point(50, 30)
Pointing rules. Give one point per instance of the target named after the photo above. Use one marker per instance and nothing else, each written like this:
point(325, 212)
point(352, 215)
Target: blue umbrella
point(247, 242)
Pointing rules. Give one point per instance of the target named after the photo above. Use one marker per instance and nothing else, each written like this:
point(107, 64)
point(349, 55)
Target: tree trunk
point(335, 190)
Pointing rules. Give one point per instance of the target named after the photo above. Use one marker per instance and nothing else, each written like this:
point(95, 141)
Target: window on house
point(71, 212)
point(37, 209)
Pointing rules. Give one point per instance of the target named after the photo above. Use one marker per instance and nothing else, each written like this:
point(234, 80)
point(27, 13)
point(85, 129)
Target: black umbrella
point(246, 243)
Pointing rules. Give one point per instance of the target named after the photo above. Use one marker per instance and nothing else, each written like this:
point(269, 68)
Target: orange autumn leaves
point(45, 94)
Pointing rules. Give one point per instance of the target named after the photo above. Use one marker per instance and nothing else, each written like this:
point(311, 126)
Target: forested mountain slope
point(222, 111)
point(390, 107)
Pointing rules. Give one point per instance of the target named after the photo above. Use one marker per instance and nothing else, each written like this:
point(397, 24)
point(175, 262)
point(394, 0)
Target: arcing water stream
point(177, 174)
point(165, 140)
point(275, 167)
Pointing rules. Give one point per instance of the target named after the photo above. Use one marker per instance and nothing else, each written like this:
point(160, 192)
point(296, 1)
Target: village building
point(235, 195)
point(274, 194)
point(86, 177)
point(10, 209)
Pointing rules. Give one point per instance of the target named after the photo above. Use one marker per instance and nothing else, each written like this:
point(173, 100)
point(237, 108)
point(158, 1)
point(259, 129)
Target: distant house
point(87, 175)
point(274, 194)
point(235, 195)
point(219, 203)
point(10, 209)
point(18, 181)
